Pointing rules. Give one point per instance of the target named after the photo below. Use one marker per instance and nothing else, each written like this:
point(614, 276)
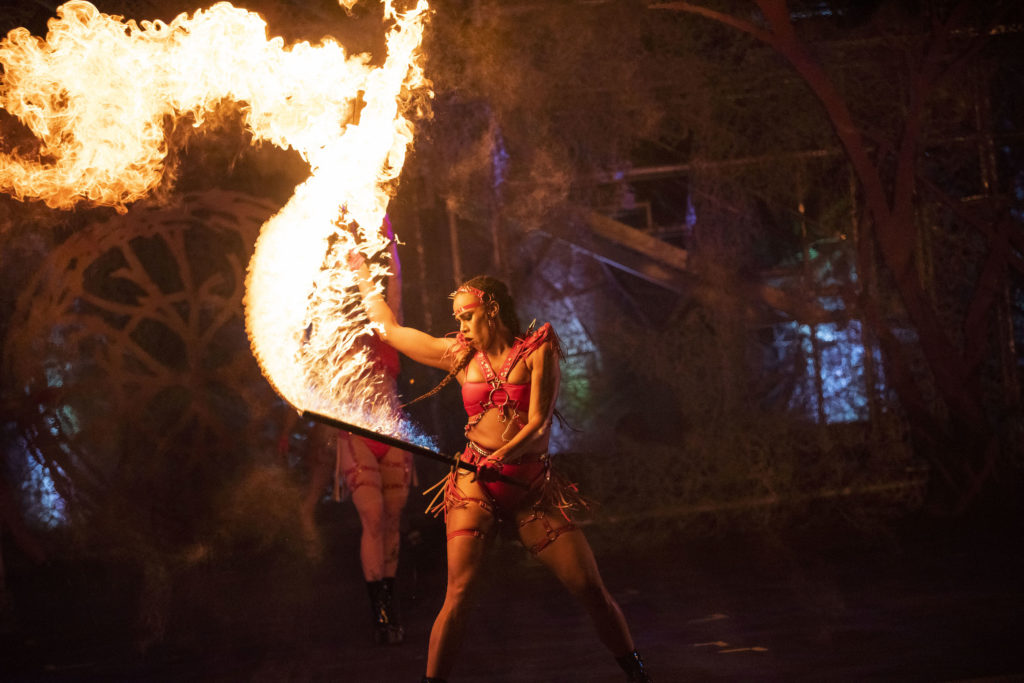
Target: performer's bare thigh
point(471, 511)
point(557, 542)
point(470, 534)
point(395, 475)
point(360, 467)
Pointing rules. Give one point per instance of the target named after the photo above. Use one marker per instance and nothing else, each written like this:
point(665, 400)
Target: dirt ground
point(927, 603)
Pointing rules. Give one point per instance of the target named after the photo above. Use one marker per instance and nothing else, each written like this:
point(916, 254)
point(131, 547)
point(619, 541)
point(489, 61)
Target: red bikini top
point(495, 391)
point(480, 396)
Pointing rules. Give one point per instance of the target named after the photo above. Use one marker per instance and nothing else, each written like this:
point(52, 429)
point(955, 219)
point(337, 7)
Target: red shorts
point(507, 497)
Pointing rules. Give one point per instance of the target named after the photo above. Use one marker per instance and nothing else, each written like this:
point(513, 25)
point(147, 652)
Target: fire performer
point(509, 384)
point(376, 475)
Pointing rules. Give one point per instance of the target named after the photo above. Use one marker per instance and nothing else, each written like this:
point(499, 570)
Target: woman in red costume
point(376, 475)
point(509, 384)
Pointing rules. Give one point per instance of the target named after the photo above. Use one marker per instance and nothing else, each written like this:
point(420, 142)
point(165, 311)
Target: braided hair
point(497, 291)
point(494, 290)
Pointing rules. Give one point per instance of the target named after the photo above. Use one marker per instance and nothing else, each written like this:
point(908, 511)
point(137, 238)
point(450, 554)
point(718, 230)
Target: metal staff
point(404, 445)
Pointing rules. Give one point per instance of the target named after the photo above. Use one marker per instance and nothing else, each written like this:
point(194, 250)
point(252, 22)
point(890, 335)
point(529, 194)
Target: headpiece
point(480, 294)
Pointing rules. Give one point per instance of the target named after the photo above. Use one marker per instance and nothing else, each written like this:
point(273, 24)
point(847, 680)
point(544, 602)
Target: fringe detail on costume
point(439, 502)
point(444, 489)
point(533, 338)
point(561, 493)
point(554, 490)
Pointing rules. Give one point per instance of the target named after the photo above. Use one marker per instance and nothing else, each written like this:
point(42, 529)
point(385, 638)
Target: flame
point(97, 94)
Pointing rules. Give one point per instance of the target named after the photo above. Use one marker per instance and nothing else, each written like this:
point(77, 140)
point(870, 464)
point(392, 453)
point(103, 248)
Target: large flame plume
point(97, 94)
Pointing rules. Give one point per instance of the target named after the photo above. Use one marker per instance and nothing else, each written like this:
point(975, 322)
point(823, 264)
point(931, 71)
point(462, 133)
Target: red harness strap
point(404, 484)
point(551, 533)
point(475, 533)
point(499, 396)
point(354, 481)
point(456, 500)
point(352, 478)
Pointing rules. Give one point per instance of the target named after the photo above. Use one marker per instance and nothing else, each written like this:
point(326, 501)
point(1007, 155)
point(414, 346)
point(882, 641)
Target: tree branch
point(720, 17)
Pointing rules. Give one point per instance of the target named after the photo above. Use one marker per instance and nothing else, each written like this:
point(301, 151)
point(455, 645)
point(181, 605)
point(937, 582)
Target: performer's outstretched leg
point(469, 535)
point(571, 559)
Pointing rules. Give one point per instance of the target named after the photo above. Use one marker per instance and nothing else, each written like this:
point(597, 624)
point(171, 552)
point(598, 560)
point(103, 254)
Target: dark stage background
point(785, 265)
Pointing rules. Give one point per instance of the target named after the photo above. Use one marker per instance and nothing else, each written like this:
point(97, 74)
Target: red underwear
point(508, 497)
point(378, 449)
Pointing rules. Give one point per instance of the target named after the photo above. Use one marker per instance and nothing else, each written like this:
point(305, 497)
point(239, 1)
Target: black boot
point(386, 629)
point(429, 679)
point(634, 668)
point(389, 596)
point(375, 590)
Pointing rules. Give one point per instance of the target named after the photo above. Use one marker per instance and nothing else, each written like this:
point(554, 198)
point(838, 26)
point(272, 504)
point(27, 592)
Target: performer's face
point(471, 314)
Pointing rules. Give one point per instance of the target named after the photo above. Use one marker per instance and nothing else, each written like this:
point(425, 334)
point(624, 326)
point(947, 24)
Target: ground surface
point(921, 606)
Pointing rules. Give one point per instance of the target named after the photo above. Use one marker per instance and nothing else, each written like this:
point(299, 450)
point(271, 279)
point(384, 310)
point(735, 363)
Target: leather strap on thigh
point(457, 501)
point(475, 533)
point(352, 478)
point(400, 464)
point(551, 533)
point(464, 501)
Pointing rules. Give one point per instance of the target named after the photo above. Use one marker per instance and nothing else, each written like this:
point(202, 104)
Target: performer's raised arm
point(419, 346)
